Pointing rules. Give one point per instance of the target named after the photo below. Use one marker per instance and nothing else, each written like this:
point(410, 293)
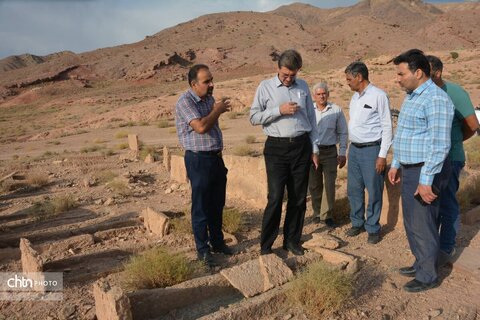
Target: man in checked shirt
point(198, 131)
point(421, 147)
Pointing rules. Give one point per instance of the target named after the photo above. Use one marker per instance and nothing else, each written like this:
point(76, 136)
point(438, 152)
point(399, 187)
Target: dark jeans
point(449, 210)
point(421, 222)
point(361, 175)
point(287, 164)
point(208, 178)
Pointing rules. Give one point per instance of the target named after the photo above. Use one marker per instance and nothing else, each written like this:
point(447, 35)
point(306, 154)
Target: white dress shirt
point(370, 118)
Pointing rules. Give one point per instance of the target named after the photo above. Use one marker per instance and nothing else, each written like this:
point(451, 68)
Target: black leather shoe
point(265, 251)
point(373, 238)
point(355, 231)
point(417, 286)
point(296, 249)
point(316, 219)
point(207, 259)
point(329, 222)
point(407, 271)
point(226, 250)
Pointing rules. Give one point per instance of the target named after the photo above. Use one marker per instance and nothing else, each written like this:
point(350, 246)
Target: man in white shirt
point(370, 131)
point(331, 127)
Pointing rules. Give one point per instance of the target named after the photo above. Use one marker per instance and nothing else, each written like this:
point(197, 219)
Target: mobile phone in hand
point(417, 197)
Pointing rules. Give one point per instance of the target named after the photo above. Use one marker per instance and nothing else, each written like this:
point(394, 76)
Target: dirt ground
point(113, 216)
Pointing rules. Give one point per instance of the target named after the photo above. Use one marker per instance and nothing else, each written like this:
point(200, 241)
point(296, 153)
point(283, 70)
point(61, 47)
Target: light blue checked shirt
point(423, 130)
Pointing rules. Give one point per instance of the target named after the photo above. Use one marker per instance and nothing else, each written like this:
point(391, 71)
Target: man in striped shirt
point(421, 147)
point(198, 131)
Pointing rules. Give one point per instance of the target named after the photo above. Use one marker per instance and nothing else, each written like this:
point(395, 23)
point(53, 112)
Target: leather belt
point(326, 147)
point(367, 144)
point(289, 139)
point(208, 153)
point(412, 165)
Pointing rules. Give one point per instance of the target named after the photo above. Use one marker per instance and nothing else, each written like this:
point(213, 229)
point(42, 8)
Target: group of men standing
point(301, 153)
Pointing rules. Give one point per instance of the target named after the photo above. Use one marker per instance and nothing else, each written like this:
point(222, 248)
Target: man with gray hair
point(331, 127)
point(284, 108)
point(370, 131)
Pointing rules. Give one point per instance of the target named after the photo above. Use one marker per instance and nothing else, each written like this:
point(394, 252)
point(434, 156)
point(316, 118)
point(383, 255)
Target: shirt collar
point(360, 94)
point(279, 83)
point(421, 88)
point(194, 95)
point(327, 107)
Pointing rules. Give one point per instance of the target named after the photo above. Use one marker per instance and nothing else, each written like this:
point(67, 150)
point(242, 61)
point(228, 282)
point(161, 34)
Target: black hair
point(415, 59)
point(193, 72)
point(290, 59)
point(435, 63)
point(357, 67)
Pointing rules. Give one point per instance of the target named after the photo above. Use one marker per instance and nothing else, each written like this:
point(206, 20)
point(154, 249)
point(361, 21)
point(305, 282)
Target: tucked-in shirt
point(370, 118)
point(331, 127)
point(463, 108)
point(190, 107)
point(265, 110)
point(423, 130)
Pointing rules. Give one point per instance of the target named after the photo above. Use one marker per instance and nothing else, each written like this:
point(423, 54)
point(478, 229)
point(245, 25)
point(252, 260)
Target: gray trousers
point(321, 184)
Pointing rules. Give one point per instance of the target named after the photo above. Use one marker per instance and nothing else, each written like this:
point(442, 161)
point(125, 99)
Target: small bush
point(156, 268)
point(146, 150)
point(250, 139)
point(119, 187)
point(143, 123)
point(121, 146)
point(105, 176)
point(454, 55)
point(164, 124)
point(37, 180)
point(99, 141)
point(182, 225)
point(127, 124)
point(232, 220)
point(243, 150)
point(468, 192)
point(53, 207)
point(121, 134)
point(320, 290)
point(89, 149)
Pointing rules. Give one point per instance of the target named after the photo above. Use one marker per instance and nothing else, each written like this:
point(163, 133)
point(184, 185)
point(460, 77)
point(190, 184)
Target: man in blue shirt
point(421, 147)
point(284, 107)
point(199, 134)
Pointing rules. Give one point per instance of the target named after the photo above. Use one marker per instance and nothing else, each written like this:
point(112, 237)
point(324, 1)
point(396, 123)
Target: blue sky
point(41, 27)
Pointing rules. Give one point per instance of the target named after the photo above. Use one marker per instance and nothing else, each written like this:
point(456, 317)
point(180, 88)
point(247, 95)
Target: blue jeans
point(361, 175)
point(421, 222)
point(448, 220)
point(208, 178)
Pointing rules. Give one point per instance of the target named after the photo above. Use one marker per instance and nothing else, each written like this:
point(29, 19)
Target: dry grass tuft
point(105, 176)
point(121, 134)
point(157, 268)
point(119, 187)
point(37, 180)
point(50, 208)
point(250, 139)
point(232, 220)
point(468, 192)
point(321, 290)
point(243, 151)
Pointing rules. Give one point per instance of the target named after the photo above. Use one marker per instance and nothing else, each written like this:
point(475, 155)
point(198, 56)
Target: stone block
point(467, 261)
point(275, 272)
point(149, 158)
point(247, 180)
point(31, 260)
point(166, 158)
point(110, 302)
point(392, 215)
point(178, 172)
point(259, 275)
point(472, 216)
point(155, 222)
point(133, 142)
point(341, 259)
point(322, 240)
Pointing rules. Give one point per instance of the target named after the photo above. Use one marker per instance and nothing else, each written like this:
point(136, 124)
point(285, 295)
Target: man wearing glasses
point(284, 108)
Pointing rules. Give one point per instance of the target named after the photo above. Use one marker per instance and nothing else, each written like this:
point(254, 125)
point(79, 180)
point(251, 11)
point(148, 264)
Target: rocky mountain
point(237, 44)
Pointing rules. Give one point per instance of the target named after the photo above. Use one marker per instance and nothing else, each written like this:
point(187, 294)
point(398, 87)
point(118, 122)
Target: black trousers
point(287, 164)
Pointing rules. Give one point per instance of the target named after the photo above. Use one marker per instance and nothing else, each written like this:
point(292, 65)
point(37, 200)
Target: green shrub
point(232, 220)
point(53, 207)
point(454, 55)
point(320, 290)
point(157, 268)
